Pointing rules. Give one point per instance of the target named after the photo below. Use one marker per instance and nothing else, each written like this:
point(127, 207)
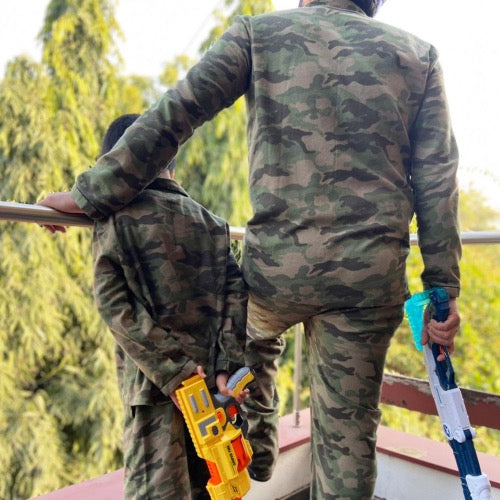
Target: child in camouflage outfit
point(169, 288)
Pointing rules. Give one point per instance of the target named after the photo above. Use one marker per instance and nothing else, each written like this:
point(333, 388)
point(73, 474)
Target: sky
point(468, 41)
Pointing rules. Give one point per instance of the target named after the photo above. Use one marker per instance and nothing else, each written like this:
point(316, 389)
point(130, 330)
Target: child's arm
point(159, 356)
point(232, 336)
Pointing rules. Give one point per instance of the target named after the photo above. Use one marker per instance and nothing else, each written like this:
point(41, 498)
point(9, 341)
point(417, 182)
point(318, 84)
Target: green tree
point(61, 417)
point(213, 164)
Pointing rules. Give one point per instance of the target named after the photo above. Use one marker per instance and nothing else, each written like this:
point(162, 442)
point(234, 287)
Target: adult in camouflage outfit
point(349, 135)
point(171, 292)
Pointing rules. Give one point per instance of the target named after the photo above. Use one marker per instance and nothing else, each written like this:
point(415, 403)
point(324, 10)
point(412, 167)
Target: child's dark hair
point(116, 129)
point(369, 6)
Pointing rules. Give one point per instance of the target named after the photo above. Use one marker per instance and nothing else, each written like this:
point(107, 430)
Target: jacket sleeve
point(434, 183)
point(213, 84)
point(231, 341)
point(153, 350)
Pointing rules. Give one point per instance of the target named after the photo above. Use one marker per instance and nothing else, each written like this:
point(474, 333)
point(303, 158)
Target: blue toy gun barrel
point(447, 395)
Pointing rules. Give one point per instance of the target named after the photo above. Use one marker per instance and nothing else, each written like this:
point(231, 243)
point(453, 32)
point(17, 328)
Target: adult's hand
point(62, 201)
point(442, 332)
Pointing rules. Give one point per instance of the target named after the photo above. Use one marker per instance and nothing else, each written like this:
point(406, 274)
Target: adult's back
point(347, 122)
point(348, 134)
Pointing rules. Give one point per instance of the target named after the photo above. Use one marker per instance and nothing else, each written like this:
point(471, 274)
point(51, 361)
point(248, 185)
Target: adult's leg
point(156, 458)
point(346, 356)
point(265, 344)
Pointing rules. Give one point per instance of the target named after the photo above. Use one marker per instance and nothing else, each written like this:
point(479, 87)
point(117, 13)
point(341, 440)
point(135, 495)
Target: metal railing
point(22, 212)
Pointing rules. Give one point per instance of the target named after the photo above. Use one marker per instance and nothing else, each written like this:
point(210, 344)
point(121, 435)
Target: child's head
point(117, 128)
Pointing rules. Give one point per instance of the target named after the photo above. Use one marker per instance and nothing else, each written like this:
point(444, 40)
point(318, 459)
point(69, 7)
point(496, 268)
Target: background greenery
point(61, 414)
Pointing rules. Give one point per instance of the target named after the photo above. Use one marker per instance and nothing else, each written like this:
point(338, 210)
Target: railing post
point(297, 374)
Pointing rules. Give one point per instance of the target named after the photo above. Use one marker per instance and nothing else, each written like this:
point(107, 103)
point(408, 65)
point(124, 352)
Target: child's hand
point(198, 371)
point(221, 383)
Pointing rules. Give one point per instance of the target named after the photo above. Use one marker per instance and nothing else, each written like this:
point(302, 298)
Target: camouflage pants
point(160, 460)
point(346, 352)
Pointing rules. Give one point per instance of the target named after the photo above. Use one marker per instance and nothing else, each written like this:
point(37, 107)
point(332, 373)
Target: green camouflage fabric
point(346, 350)
point(169, 288)
point(159, 457)
point(349, 135)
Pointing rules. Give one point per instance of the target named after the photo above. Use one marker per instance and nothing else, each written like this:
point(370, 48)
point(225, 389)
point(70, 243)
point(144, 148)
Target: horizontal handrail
point(24, 212)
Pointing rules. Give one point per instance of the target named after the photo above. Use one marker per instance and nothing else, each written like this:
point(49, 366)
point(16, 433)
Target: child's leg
point(155, 456)
point(198, 470)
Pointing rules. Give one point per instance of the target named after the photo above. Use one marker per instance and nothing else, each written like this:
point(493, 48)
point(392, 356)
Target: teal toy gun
point(447, 396)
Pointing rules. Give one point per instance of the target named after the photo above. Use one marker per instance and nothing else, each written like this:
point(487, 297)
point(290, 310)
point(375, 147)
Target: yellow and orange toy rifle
point(218, 426)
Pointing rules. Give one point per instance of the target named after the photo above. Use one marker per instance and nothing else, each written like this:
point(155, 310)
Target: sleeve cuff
point(223, 365)
point(187, 371)
point(453, 291)
point(85, 204)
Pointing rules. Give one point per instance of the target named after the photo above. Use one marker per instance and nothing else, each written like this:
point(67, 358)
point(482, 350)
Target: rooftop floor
point(410, 468)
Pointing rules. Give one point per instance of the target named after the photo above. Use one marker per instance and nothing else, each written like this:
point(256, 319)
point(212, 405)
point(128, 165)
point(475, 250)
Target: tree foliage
point(213, 164)
point(63, 417)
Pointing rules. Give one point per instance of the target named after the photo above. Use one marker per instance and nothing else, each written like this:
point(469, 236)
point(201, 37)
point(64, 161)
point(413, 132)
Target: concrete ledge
point(106, 487)
point(110, 486)
point(410, 467)
point(431, 454)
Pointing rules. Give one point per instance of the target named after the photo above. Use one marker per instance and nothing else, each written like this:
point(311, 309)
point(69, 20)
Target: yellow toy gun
point(218, 426)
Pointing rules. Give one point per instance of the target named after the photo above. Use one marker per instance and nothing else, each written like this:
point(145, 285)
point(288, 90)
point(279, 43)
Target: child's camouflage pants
point(160, 460)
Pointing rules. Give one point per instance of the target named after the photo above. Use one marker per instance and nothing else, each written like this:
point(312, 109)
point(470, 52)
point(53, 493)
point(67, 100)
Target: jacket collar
point(338, 4)
point(160, 184)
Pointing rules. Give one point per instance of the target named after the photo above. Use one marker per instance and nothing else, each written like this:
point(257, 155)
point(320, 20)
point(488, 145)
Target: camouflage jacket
point(170, 290)
point(349, 134)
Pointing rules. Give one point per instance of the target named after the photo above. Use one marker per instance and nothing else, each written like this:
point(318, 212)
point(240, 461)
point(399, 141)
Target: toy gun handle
point(439, 309)
point(236, 382)
point(475, 485)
